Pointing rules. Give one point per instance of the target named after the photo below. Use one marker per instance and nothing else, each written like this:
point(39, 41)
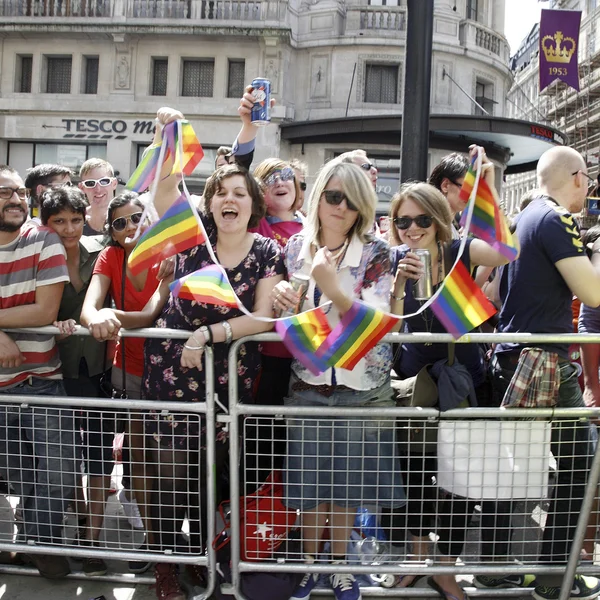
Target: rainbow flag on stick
point(303, 334)
point(488, 221)
point(177, 230)
point(357, 333)
point(209, 285)
point(461, 305)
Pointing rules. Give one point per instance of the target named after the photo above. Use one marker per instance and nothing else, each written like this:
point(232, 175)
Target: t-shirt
point(110, 264)
point(411, 358)
point(535, 297)
point(35, 259)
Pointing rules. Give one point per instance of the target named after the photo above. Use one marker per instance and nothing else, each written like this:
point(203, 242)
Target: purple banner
point(559, 42)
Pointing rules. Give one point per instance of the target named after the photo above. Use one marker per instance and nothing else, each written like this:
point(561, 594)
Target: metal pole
point(417, 91)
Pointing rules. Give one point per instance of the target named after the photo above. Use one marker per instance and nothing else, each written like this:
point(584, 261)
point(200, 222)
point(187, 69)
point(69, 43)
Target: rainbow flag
point(209, 285)
point(461, 305)
point(357, 333)
point(488, 221)
point(303, 334)
point(177, 230)
point(145, 172)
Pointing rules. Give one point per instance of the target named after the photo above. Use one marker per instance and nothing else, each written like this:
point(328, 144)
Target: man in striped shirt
point(36, 442)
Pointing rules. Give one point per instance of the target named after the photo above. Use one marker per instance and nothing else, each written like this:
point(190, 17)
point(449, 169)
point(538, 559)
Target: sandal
point(442, 592)
point(400, 578)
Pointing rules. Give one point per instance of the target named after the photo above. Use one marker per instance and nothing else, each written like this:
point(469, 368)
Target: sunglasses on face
point(367, 166)
point(285, 174)
point(92, 183)
point(120, 223)
point(303, 185)
point(591, 183)
point(6, 193)
point(58, 186)
point(424, 221)
point(335, 198)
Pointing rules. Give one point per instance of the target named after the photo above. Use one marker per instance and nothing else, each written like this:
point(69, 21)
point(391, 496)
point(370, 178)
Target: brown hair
point(267, 166)
point(215, 183)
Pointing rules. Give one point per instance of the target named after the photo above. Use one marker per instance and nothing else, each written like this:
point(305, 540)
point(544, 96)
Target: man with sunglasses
point(36, 442)
point(98, 183)
point(41, 178)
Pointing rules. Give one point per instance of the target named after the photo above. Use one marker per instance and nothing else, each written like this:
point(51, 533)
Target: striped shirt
point(36, 258)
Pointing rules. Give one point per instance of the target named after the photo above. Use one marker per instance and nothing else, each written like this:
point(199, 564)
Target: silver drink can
point(299, 281)
point(423, 287)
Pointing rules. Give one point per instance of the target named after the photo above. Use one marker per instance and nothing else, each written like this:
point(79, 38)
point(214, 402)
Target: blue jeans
point(37, 458)
point(572, 447)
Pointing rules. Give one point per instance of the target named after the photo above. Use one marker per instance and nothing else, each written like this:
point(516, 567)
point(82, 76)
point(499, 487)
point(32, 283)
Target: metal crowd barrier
point(250, 422)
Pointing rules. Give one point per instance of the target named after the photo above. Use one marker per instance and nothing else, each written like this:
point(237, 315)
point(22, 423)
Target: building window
point(23, 74)
point(90, 75)
point(381, 83)
point(236, 78)
point(197, 78)
point(58, 74)
point(475, 10)
point(484, 95)
point(160, 69)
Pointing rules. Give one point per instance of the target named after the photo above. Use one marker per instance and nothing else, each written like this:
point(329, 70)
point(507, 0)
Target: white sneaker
point(131, 509)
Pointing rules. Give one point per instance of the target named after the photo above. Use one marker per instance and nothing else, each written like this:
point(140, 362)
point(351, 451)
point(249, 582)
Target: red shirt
point(110, 264)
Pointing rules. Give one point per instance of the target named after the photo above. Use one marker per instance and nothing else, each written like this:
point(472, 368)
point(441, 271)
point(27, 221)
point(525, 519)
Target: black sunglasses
point(593, 183)
point(302, 185)
point(424, 221)
point(367, 166)
point(120, 223)
point(335, 198)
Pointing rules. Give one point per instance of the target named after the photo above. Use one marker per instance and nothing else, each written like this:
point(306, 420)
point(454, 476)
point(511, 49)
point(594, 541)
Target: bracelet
point(193, 347)
point(207, 333)
point(397, 298)
point(228, 332)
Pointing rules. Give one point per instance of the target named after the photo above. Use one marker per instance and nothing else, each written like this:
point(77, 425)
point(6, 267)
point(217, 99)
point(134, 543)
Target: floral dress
point(164, 377)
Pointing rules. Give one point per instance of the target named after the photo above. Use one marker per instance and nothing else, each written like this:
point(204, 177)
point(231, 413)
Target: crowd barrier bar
point(236, 410)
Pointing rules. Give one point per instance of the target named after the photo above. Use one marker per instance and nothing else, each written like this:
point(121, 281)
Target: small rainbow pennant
point(208, 285)
point(357, 333)
point(488, 221)
point(461, 305)
point(177, 230)
point(303, 334)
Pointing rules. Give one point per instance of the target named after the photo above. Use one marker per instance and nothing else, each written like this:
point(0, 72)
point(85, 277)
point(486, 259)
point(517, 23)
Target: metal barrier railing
point(240, 417)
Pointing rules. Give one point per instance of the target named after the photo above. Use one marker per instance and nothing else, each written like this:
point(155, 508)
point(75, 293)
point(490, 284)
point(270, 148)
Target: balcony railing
point(226, 10)
point(473, 33)
point(375, 18)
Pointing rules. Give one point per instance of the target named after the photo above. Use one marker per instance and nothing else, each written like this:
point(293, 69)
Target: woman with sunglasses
point(330, 478)
point(123, 218)
point(421, 219)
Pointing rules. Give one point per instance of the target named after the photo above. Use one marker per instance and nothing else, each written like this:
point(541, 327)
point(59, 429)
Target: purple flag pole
point(559, 42)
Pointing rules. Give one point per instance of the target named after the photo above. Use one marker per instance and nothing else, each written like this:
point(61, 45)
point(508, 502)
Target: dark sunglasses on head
point(92, 183)
point(335, 198)
point(285, 174)
point(423, 221)
point(120, 223)
point(367, 166)
point(302, 185)
point(58, 186)
point(6, 193)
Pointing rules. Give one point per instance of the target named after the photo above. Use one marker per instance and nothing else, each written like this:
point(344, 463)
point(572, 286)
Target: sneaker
point(508, 581)
point(167, 582)
point(131, 510)
point(307, 585)
point(584, 588)
point(94, 566)
point(49, 565)
point(345, 586)
point(138, 566)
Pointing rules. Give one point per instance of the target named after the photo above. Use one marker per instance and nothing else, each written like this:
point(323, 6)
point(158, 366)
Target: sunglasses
point(303, 185)
point(335, 198)
point(6, 193)
point(424, 221)
point(92, 183)
point(591, 183)
point(285, 174)
point(367, 166)
point(120, 223)
point(59, 186)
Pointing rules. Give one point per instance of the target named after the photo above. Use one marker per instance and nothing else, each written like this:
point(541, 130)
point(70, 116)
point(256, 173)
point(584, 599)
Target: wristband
point(228, 332)
point(207, 333)
point(397, 298)
point(193, 347)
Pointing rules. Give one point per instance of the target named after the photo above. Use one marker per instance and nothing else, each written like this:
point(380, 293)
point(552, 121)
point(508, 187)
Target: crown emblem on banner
point(555, 52)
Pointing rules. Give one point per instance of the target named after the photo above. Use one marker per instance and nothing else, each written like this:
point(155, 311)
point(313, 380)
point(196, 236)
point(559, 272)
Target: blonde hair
point(267, 166)
point(349, 157)
point(95, 163)
point(357, 187)
point(433, 203)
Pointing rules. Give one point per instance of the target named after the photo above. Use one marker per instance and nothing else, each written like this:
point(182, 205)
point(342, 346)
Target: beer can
point(384, 224)
point(299, 281)
point(423, 287)
point(261, 111)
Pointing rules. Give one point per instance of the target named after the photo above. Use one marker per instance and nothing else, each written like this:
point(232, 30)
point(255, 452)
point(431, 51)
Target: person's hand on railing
point(10, 355)
point(193, 349)
point(105, 325)
point(66, 328)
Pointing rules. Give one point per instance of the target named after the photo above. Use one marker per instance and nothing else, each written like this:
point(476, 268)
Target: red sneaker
point(167, 582)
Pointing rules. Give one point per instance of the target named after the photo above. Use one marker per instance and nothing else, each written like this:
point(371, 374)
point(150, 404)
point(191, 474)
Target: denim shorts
point(347, 461)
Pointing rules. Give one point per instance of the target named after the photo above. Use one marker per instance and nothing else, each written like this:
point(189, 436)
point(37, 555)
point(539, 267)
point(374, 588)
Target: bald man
point(536, 292)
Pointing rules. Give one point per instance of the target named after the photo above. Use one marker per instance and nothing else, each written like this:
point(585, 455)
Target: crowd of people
point(58, 269)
